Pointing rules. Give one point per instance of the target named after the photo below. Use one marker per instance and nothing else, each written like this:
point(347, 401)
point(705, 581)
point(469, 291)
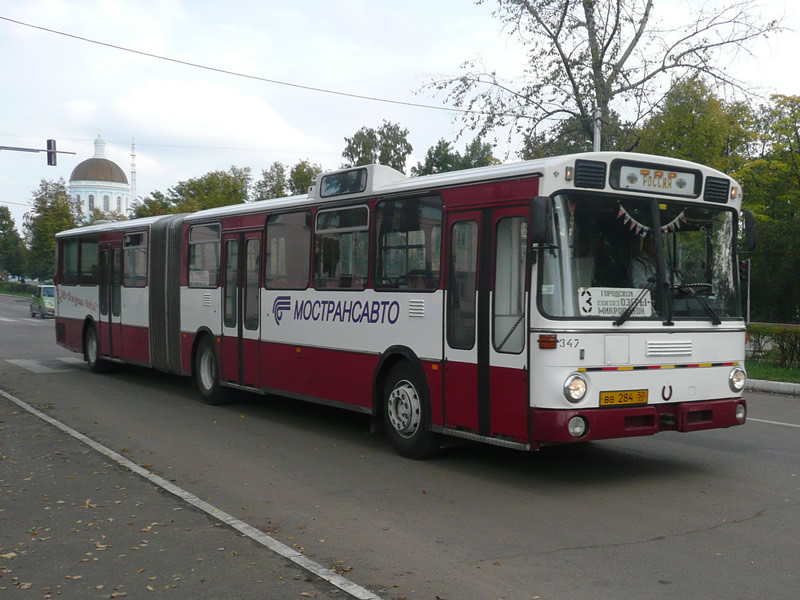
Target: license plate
point(623, 398)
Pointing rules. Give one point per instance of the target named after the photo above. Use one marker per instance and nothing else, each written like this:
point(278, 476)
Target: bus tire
point(91, 350)
point(206, 373)
point(407, 415)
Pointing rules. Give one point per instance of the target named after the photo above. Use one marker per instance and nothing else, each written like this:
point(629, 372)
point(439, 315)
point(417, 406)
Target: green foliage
point(272, 183)
point(302, 176)
point(53, 211)
point(692, 124)
point(441, 158)
point(774, 285)
point(154, 205)
point(388, 145)
point(17, 288)
point(772, 177)
point(214, 189)
point(12, 250)
point(778, 344)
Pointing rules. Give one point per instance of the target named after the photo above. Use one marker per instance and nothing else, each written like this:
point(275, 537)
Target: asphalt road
point(701, 515)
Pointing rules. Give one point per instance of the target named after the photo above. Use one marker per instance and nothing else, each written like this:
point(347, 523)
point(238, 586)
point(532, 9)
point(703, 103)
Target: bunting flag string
point(638, 228)
point(642, 230)
point(675, 223)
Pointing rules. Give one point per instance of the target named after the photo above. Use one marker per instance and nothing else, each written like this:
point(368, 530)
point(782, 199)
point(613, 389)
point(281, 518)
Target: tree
point(441, 158)
point(771, 183)
point(478, 154)
point(12, 250)
point(693, 124)
point(53, 211)
point(154, 205)
point(597, 54)
point(302, 176)
point(770, 174)
point(388, 145)
point(216, 188)
point(272, 183)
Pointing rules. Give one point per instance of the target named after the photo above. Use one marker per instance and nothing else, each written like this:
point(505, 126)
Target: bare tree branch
point(598, 53)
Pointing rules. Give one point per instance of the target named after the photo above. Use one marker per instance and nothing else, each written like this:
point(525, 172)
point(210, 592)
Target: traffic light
point(744, 270)
point(51, 153)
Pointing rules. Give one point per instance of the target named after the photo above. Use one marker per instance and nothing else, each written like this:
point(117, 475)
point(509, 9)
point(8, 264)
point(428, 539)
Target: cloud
point(209, 113)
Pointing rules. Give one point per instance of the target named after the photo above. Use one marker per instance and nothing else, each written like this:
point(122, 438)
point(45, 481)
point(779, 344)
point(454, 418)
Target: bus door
point(109, 334)
point(241, 302)
point(486, 322)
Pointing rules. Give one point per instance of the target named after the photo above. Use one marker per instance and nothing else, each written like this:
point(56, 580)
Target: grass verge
point(770, 371)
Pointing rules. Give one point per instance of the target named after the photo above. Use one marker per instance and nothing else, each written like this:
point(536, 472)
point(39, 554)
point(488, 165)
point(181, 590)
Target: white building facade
point(98, 183)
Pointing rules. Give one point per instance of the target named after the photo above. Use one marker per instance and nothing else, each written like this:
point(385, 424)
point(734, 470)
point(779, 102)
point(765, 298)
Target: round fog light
point(737, 379)
point(577, 427)
point(741, 413)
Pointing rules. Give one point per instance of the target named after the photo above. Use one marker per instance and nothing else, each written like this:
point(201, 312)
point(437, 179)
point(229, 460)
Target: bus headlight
point(737, 379)
point(575, 388)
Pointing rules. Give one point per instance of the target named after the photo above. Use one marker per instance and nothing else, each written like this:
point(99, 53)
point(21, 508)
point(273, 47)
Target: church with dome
point(98, 183)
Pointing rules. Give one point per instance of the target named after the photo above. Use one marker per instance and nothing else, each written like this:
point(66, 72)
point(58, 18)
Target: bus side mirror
point(749, 230)
point(542, 221)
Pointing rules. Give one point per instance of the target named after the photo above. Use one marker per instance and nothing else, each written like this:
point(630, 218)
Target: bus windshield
point(667, 259)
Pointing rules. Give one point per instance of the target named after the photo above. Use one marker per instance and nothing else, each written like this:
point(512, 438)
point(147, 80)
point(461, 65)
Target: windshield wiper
point(707, 307)
point(636, 301)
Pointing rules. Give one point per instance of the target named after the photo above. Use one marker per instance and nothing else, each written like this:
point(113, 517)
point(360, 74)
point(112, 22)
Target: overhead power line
point(254, 77)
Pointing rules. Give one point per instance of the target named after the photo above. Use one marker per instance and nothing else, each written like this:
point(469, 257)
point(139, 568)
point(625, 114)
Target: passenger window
point(461, 297)
point(134, 259)
point(288, 251)
point(341, 256)
point(204, 244)
point(89, 262)
point(69, 261)
point(408, 244)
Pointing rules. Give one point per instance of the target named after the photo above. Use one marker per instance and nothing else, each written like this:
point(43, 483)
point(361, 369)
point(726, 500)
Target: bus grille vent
point(590, 174)
point(416, 308)
point(717, 190)
point(206, 299)
point(669, 348)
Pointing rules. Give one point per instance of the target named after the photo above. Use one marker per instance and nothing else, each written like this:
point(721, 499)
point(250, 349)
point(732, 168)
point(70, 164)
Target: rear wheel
point(407, 415)
point(206, 373)
point(92, 352)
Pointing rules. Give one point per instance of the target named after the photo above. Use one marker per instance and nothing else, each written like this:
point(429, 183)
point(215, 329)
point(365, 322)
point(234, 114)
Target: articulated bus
point(510, 304)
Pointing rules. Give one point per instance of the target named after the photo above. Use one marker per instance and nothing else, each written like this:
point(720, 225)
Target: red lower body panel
point(69, 333)
point(136, 344)
point(127, 342)
point(335, 376)
point(550, 426)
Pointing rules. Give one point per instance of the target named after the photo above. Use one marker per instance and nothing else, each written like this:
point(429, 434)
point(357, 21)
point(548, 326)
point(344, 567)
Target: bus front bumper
point(561, 426)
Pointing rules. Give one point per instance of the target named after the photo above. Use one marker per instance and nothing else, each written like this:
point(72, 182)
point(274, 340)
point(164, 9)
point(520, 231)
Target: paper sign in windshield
point(612, 302)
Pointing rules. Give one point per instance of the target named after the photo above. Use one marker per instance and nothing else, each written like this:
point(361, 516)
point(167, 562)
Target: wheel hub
point(404, 409)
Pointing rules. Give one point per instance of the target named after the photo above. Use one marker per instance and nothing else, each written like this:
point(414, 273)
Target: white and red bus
point(509, 304)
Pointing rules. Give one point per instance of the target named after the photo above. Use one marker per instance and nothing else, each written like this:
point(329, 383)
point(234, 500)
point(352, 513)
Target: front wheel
point(206, 373)
point(407, 415)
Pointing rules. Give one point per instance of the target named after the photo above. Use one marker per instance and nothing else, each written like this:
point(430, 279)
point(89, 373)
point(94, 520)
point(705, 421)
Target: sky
point(187, 121)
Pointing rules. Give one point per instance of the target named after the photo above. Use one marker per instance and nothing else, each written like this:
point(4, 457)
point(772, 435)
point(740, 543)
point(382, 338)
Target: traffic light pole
point(52, 153)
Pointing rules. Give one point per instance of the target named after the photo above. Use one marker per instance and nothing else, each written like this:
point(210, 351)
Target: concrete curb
point(774, 387)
